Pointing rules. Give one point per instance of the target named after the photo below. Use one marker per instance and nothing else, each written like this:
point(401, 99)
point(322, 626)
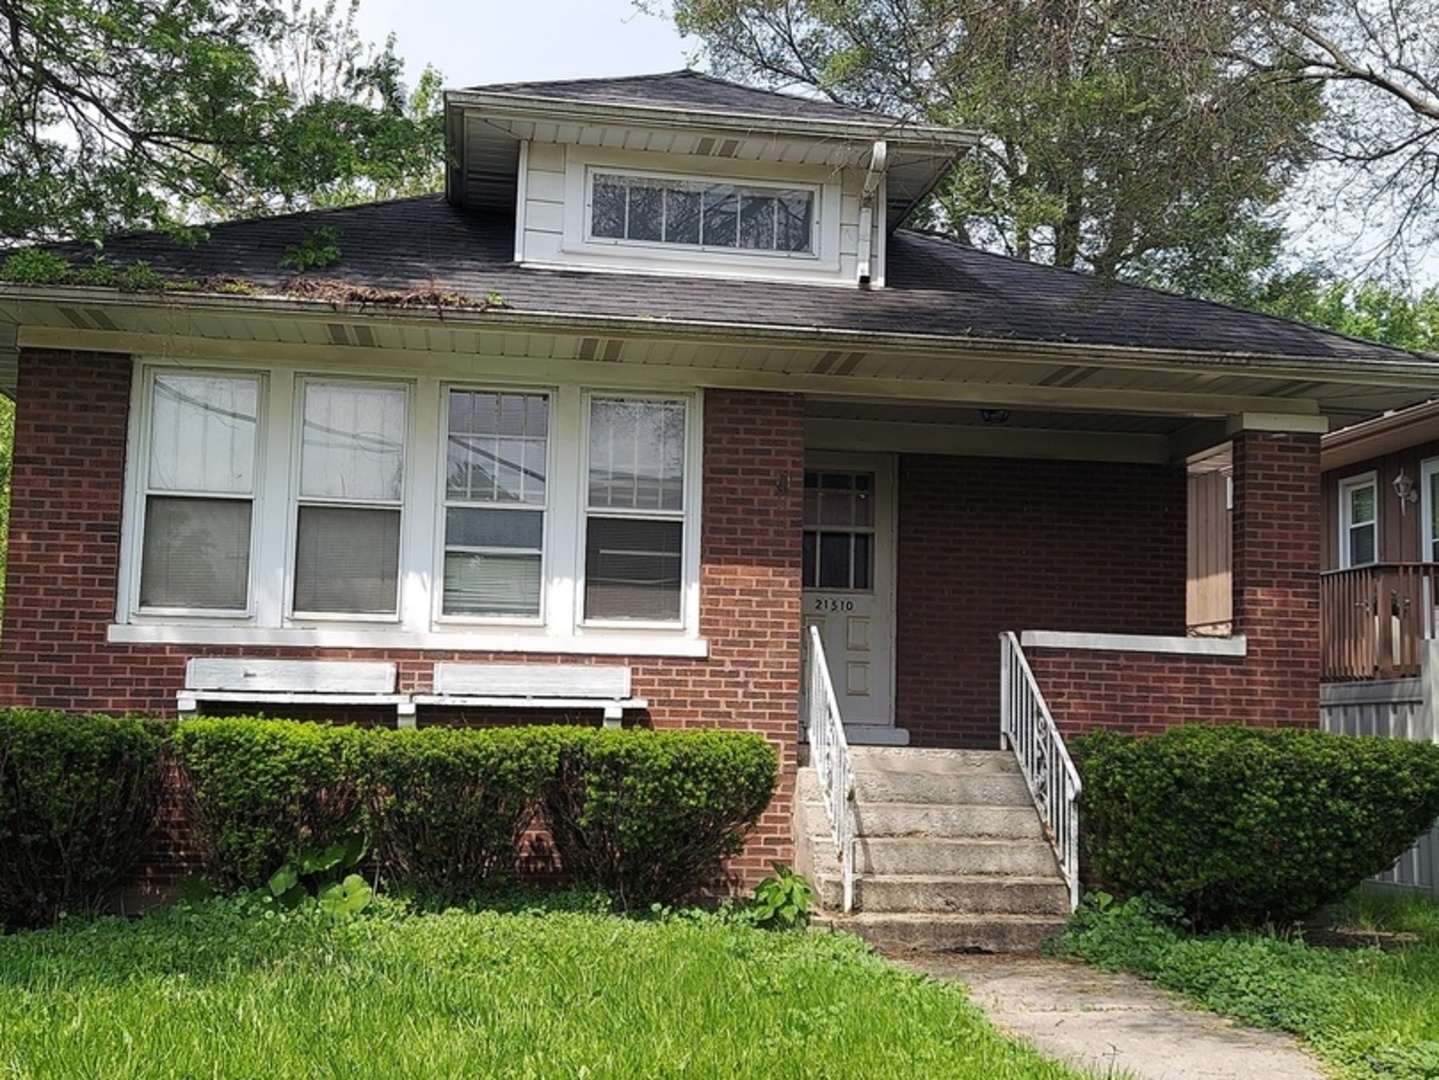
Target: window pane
point(353, 443)
point(637, 453)
point(1361, 502)
point(632, 569)
point(491, 584)
point(196, 553)
point(721, 217)
point(1361, 545)
point(756, 222)
point(793, 226)
point(347, 560)
point(494, 528)
point(202, 434)
point(647, 208)
point(497, 447)
point(682, 216)
point(834, 561)
point(607, 207)
point(809, 561)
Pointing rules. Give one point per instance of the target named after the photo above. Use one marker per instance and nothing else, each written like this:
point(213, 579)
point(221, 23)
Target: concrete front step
point(911, 759)
point(920, 819)
point(949, 893)
point(940, 788)
point(928, 932)
point(961, 856)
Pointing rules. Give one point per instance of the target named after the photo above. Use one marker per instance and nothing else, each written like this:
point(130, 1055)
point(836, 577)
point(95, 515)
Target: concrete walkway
point(1115, 1025)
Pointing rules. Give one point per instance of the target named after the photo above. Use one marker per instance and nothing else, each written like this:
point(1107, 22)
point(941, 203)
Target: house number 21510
point(832, 604)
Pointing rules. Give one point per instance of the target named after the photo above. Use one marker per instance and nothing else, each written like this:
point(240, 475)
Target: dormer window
point(701, 213)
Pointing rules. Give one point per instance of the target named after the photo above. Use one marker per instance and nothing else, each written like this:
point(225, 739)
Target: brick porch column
point(1277, 522)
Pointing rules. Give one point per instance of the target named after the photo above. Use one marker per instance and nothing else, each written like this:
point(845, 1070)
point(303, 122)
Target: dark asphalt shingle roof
point(692, 91)
point(934, 286)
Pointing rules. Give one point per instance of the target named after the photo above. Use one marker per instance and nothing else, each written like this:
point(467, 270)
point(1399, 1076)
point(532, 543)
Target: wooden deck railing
point(1373, 620)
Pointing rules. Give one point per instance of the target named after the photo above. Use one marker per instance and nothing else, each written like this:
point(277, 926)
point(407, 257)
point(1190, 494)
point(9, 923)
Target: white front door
point(849, 585)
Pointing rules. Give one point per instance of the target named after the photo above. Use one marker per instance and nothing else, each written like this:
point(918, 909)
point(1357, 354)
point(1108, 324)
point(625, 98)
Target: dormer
point(685, 174)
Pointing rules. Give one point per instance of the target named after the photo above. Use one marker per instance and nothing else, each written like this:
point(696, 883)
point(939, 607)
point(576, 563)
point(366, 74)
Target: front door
point(849, 585)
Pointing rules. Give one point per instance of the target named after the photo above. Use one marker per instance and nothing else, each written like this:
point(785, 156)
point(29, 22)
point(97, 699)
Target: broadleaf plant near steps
point(950, 854)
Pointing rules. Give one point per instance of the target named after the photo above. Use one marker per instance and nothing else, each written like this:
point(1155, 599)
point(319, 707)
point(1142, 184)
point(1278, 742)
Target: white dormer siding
point(554, 226)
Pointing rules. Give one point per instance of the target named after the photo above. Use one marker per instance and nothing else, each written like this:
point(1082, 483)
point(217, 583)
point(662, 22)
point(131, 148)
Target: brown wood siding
point(1210, 603)
point(1401, 527)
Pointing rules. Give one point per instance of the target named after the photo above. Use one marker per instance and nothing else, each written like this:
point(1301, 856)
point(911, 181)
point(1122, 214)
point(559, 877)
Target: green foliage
point(315, 879)
point(77, 802)
point(1238, 826)
point(1369, 1012)
point(317, 247)
point(650, 816)
point(782, 901)
point(213, 991)
point(262, 793)
point(119, 114)
point(447, 806)
point(1111, 135)
point(35, 266)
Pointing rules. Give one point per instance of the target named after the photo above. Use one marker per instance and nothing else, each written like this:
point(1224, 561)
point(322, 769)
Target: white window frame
point(1346, 487)
point(689, 517)
point(1428, 471)
point(269, 618)
point(140, 432)
point(548, 510)
point(822, 263)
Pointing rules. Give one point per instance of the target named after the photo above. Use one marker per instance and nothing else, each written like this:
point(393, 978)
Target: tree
point(119, 114)
point(1118, 136)
point(1378, 64)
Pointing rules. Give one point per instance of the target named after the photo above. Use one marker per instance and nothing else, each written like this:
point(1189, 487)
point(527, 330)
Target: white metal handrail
point(829, 753)
point(1026, 724)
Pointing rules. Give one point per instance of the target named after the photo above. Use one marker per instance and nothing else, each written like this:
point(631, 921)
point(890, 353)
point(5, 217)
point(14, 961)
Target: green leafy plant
point(35, 266)
point(650, 816)
point(316, 878)
point(1241, 826)
point(78, 796)
point(782, 900)
point(317, 247)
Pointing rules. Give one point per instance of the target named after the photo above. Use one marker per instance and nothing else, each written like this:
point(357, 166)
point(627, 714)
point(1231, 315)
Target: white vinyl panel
point(543, 217)
point(545, 185)
point(546, 157)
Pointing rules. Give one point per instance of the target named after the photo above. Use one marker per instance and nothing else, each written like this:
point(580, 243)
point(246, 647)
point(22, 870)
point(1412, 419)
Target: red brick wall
point(1276, 608)
point(987, 545)
point(64, 554)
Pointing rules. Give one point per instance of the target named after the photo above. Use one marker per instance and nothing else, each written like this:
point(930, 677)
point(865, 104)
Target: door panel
point(848, 580)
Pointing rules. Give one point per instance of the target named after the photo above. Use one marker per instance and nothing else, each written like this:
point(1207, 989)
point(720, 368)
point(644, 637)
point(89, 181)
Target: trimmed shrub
point(448, 806)
point(650, 816)
point(1240, 826)
point(261, 793)
point(78, 796)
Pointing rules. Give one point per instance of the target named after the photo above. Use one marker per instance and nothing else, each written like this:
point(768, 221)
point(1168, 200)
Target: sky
point(492, 41)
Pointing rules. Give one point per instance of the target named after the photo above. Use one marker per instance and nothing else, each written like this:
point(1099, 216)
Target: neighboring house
point(702, 393)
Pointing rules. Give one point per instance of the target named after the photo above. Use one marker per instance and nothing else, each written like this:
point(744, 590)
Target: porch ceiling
point(1156, 398)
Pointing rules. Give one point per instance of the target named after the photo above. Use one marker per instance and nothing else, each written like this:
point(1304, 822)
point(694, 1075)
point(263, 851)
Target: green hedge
point(1239, 826)
point(447, 806)
point(78, 796)
point(262, 792)
point(647, 816)
point(650, 816)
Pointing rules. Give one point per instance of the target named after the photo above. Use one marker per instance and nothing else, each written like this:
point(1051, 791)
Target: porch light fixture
point(1404, 488)
point(994, 416)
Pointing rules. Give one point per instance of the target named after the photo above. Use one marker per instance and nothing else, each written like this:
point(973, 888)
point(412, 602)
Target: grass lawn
point(1371, 1012)
point(216, 992)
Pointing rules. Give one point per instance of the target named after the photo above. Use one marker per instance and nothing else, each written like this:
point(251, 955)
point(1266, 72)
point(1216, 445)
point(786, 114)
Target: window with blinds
point(199, 492)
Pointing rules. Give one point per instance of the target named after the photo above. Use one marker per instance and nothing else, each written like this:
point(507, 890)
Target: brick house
point(659, 382)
